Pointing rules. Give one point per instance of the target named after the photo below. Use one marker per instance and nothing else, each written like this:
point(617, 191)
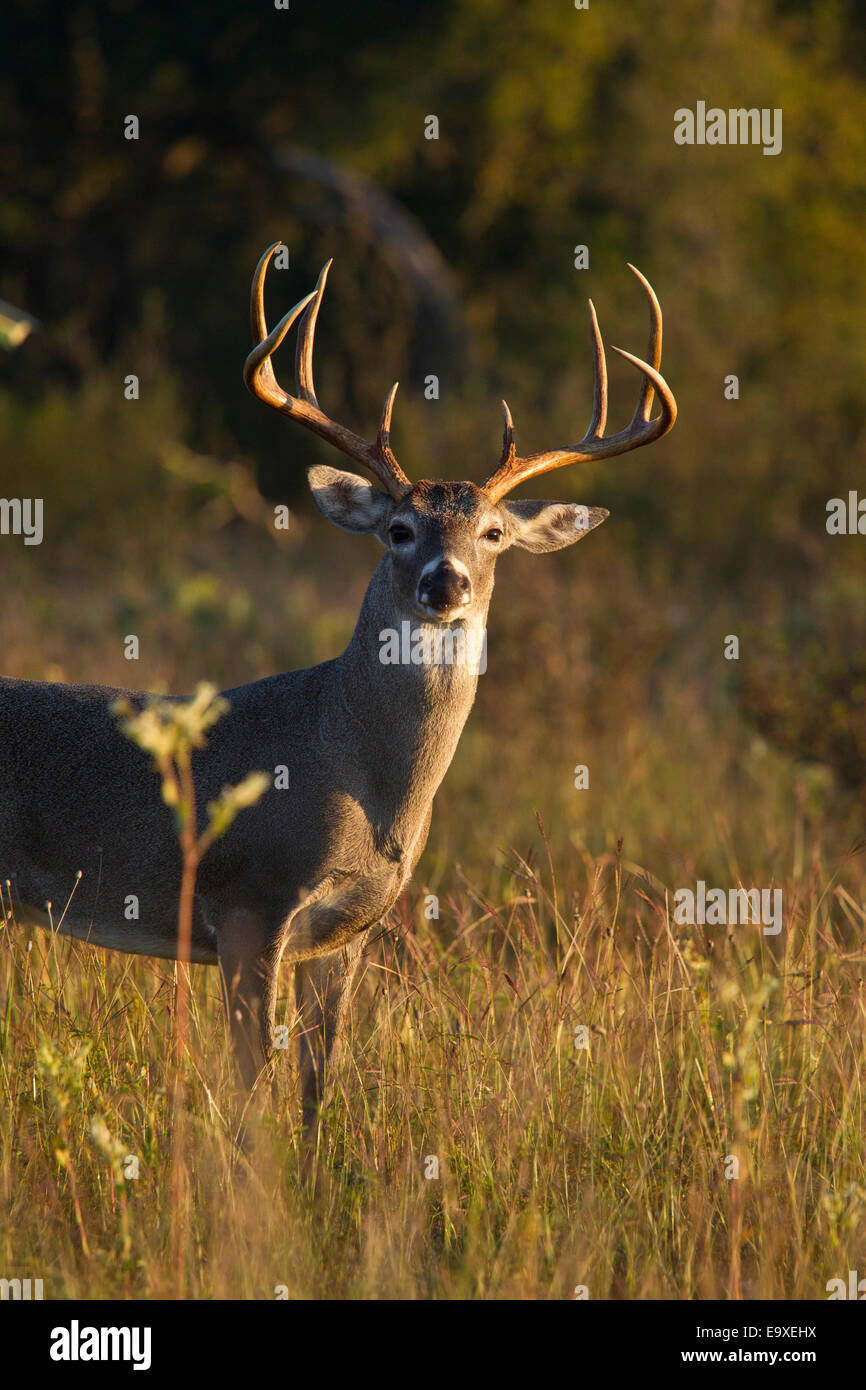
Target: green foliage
point(804, 683)
point(558, 1165)
point(169, 730)
point(95, 458)
point(556, 127)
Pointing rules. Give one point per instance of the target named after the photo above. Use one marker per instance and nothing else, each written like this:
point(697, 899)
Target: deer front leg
point(249, 956)
point(322, 989)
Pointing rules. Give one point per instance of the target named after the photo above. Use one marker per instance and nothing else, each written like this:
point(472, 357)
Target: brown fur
point(304, 874)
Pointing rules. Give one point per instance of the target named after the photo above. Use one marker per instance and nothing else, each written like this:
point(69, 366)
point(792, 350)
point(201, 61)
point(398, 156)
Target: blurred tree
point(555, 128)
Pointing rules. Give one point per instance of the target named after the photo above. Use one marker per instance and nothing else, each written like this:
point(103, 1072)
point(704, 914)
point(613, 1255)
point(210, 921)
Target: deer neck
point(404, 714)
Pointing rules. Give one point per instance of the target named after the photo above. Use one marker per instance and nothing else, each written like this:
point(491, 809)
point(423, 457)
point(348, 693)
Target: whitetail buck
point(304, 874)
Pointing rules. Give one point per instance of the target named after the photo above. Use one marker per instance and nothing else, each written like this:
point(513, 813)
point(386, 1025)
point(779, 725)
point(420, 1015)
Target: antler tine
point(383, 438)
point(513, 469)
point(508, 458)
point(508, 447)
point(259, 376)
point(644, 406)
point(599, 380)
point(306, 337)
point(258, 369)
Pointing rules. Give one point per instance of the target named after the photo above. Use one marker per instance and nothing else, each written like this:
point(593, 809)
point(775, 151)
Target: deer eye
point(400, 534)
point(494, 534)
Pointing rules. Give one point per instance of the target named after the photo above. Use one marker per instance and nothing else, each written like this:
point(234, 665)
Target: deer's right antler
point(260, 379)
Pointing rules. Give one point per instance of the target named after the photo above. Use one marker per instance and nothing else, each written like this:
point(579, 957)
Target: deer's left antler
point(514, 469)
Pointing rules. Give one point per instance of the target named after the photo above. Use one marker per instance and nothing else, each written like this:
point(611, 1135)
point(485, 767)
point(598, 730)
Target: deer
point(304, 875)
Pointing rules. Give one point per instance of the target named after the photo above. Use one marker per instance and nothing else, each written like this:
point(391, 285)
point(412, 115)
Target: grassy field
point(460, 268)
point(560, 1167)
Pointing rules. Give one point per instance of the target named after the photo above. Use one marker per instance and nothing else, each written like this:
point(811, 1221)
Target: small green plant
point(169, 730)
point(63, 1076)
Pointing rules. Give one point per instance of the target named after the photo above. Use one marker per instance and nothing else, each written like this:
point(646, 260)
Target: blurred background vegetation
point(454, 257)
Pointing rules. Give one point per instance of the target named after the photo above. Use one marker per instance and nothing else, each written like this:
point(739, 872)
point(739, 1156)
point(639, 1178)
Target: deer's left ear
point(541, 526)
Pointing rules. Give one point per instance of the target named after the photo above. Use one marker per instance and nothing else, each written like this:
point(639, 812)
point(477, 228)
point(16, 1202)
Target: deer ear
point(348, 501)
point(541, 526)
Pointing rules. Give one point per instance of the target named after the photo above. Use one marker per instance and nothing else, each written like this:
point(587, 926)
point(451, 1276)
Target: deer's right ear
point(350, 502)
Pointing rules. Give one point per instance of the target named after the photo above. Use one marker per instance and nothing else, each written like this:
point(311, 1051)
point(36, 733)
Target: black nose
point(444, 588)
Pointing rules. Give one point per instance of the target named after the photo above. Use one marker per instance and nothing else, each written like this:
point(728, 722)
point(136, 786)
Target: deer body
point(304, 873)
point(300, 875)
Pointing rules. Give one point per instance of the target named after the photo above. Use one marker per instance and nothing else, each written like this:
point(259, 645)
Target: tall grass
point(607, 1167)
point(559, 1165)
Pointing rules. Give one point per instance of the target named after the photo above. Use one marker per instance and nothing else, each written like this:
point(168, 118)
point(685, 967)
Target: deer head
point(443, 538)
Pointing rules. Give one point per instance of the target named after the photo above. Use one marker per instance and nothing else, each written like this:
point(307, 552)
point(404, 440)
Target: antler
point(513, 469)
point(260, 379)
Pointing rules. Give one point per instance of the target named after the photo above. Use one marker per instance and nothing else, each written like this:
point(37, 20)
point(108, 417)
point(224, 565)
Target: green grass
point(558, 1166)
